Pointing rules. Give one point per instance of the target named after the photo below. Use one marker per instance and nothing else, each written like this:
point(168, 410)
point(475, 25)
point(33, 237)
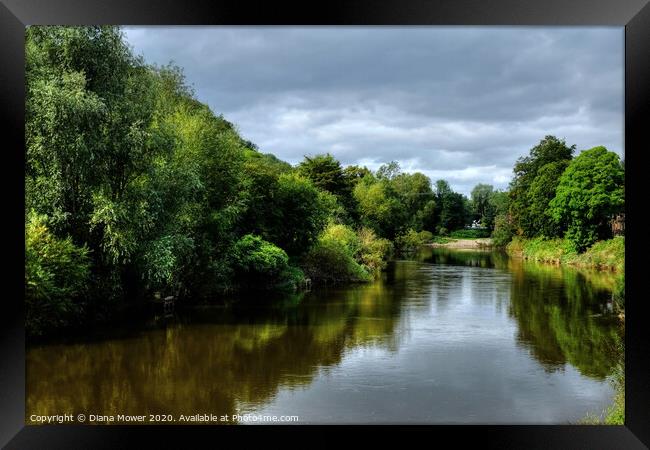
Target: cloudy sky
point(459, 103)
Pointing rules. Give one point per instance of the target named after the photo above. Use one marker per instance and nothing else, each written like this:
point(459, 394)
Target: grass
point(608, 254)
point(604, 255)
point(470, 234)
point(441, 240)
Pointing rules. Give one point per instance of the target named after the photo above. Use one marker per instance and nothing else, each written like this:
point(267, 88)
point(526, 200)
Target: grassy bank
point(603, 255)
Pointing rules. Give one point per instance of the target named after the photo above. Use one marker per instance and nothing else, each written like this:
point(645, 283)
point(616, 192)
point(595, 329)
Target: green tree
point(590, 191)
point(379, 206)
point(482, 208)
point(416, 196)
point(326, 173)
point(540, 194)
point(452, 209)
point(549, 150)
point(56, 276)
point(301, 214)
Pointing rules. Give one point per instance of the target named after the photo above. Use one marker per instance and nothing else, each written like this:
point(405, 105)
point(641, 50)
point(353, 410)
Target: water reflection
point(419, 334)
point(562, 318)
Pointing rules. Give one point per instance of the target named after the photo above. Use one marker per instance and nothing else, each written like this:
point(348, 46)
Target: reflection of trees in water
point(464, 257)
point(561, 318)
point(219, 360)
point(191, 368)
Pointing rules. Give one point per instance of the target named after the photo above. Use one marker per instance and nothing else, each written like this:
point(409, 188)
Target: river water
point(450, 336)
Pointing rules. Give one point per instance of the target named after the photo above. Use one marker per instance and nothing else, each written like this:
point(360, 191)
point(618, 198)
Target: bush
point(411, 240)
point(373, 251)
point(503, 231)
point(330, 262)
point(343, 255)
point(345, 235)
point(56, 276)
point(408, 241)
point(426, 237)
point(259, 264)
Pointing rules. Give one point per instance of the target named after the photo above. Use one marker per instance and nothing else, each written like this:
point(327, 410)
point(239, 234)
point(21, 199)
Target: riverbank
point(603, 255)
point(479, 243)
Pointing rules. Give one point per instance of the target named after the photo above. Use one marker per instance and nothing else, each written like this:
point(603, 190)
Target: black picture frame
point(634, 15)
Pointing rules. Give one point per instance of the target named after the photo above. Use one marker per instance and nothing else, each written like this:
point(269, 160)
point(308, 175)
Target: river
point(449, 336)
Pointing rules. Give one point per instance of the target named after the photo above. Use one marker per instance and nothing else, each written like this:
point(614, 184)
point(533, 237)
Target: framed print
point(422, 217)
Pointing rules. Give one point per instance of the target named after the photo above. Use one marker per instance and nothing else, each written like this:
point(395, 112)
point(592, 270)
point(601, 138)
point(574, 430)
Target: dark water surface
point(451, 337)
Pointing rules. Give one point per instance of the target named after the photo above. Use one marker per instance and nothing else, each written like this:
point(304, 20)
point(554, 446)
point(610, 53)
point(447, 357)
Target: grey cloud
point(461, 103)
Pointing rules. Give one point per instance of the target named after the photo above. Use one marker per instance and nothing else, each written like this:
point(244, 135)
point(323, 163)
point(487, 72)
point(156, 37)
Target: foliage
point(259, 264)
point(373, 252)
point(133, 186)
point(379, 207)
point(503, 232)
point(469, 234)
point(590, 191)
point(529, 196)
point(56, 276)
point(607, 255)
point(483, 208)
point(408, 241)
point(327, 174)
point(331, 262)
point(301, 213)
point(343, 254)
point(452, 209)
point(541, 249)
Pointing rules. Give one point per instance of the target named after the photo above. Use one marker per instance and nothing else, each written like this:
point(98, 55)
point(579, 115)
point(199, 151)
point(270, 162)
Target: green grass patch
point(608, 254)
point(604, 255)
point(470, 234)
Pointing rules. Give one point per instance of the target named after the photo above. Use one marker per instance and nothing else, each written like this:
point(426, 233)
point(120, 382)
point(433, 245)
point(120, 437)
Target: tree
point(590, 191)
point(481, 207)
point(549, 150)
point(379, 207)
point(56, 275)
point(389, 171)
point(415, 194)
point(301, 214)
point(541, 192)
point(355, 173)
point(327, 174)
point(452, 209)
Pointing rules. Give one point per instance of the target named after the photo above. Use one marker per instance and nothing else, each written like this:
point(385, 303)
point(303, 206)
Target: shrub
point(259, 264)
point(503, 231)
point(345, 235)
point(373, 251)
point(426, 237)
point(56, 275)
point(330, 262)
point(408, 241)
point(343, 255)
